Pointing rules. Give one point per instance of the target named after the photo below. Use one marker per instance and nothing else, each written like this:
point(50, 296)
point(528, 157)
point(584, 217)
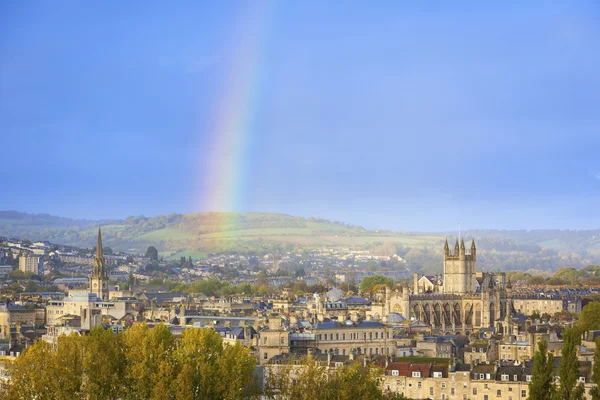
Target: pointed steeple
point(446, 248)
point(99, 259)
point(473, 249)
point(456, 248)
point(462, 244)
point(99, 253)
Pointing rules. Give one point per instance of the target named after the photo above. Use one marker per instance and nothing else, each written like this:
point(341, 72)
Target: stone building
point(463, 300)
point(31, 263)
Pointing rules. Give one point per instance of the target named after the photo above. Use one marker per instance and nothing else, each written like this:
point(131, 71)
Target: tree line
point(151, 363)
point(139, 363)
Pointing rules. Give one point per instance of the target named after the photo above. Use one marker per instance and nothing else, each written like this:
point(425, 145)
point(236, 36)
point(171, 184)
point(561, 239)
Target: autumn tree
point(103, 365)
point(209, 370)
point(310, 379)
point(148, 356)
point(140, 363)
point(27, 379)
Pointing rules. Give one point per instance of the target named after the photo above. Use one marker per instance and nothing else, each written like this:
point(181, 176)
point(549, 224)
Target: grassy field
point(166, 234)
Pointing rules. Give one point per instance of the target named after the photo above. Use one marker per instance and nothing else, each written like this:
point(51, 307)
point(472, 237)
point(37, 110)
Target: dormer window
point(528, 378)
point(416, 374)
point(437, 374)
point(395, 372)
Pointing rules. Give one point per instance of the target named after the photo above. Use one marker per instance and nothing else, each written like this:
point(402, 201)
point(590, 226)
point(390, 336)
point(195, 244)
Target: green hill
point(197, 234)
point(205, 232)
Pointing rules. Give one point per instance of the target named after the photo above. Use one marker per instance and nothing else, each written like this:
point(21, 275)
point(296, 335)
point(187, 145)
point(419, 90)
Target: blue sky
point(406, 117)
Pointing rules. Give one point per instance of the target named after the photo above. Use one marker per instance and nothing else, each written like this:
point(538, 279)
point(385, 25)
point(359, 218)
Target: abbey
point(460, 301)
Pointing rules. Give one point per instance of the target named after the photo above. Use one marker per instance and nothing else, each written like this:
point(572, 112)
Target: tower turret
point(456, 248)
point(446, 248)
point(462, 249)
point(473, 250)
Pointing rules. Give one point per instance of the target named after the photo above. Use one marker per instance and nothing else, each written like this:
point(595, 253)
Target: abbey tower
point(459, 269)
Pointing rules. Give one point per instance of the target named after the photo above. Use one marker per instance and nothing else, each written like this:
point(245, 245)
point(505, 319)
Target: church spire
point(99, 245)
point(99, 278)
point(99, 259)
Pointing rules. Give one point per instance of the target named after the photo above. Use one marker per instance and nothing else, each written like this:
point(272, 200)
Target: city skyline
point(405, 117)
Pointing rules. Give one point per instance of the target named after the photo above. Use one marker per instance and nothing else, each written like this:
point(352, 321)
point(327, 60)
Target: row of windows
point(518, 347)
point(352, 336)
point(503, 377)
point(443, 395)
point(417, 374)
point(499, 393)
point(358, 351)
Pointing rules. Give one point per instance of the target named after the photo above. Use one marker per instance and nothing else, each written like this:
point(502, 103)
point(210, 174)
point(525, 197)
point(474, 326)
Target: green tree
point(568, 371)
point(595, 392)
point(589, 318)
point(152, 253)
point(31, 286)
point(130, 281)
point(542, 384)
point(369, 282)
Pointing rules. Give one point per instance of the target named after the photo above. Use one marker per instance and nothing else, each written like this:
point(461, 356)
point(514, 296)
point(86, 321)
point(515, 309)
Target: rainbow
point(230, 130)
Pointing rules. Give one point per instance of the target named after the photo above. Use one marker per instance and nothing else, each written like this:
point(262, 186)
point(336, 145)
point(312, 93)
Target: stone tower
point(459, 269)
point(99, 278)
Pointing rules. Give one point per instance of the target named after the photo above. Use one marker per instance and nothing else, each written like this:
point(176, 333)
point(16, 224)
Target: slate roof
point(357, 300)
